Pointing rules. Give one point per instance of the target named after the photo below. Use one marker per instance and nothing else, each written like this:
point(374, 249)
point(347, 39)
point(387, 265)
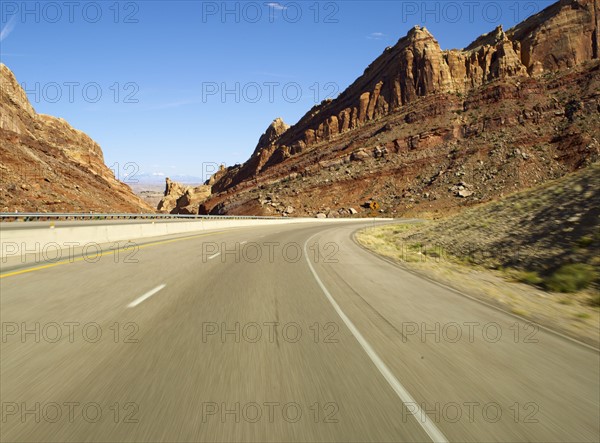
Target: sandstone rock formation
point(48, 166)
point(417, 107)
point(180, 199)
point(216, 176)
point(262, 153)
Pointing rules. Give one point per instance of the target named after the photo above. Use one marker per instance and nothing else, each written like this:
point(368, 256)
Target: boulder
point(359, 154)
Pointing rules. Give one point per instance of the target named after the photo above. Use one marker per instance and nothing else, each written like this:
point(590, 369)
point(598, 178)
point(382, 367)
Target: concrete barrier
point(21, 240)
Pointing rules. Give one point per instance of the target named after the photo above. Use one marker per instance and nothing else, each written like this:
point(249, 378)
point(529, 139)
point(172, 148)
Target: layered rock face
point(562, 36)
point(48, 166)
point(181, 199)
point(416, 102)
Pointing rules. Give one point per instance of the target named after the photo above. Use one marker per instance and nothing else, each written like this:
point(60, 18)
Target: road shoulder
point(576, 319)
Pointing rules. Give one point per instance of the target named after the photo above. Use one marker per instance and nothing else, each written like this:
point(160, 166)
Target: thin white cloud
point(8, 28)
point(277, 6)
point(376, 35)
point(158, 174)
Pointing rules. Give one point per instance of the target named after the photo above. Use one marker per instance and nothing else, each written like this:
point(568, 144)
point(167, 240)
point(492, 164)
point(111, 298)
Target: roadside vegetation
point(547, 238)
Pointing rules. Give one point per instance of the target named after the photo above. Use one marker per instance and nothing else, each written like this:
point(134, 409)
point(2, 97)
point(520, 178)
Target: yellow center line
point(111, 251)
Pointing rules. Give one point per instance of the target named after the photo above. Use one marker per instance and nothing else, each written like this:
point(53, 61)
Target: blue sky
point(145, 79)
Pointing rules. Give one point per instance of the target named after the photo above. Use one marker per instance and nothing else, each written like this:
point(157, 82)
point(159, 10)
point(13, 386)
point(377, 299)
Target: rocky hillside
point(427, 130)
point(538, 231)
point(47, 166)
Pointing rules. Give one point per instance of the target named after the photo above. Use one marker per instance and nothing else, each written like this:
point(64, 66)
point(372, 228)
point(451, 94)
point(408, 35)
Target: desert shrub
point(529, 277)
point(585, 241)
point(571, 109)
point(571, 278)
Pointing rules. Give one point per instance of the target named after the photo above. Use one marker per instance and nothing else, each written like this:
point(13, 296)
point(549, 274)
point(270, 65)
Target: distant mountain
point(144, 178)
point(428, 130)
point(47, 166)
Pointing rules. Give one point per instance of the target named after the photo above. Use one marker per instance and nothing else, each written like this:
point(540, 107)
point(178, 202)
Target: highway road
point(280, 333)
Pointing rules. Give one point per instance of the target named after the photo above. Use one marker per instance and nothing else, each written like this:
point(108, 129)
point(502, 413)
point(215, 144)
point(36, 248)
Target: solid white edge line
point(214, 255)
point(428, 426)
point(148, 294)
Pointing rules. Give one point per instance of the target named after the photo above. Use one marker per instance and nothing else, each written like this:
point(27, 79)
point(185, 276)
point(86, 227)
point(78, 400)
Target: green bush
point(529, 277)
point(585, 241)
point(571, 278)
point(571, 109)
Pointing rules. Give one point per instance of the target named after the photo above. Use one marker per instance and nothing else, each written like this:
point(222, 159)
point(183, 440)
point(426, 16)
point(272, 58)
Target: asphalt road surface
point(280, 333)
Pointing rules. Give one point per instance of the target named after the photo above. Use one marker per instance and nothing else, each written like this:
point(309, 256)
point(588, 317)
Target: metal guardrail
point(42, 216)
